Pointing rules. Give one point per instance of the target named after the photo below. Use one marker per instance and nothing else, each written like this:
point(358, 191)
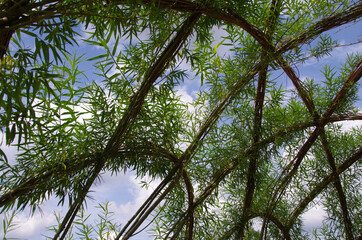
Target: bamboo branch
point(276, 221)
point(152, 74)
point(258, 115)
point(132, 112)
point(146, 205)
point(215, 114)
point(141, 219)
point(348, 227)
point(322, 185)
point(257, 123)
point(227, 15)
point(290, 170)
point(73, 210)
point(42, 178)
point(349, 15)
point(302, 91)
point(137, 101)
point(244, 154)
point(190, 194)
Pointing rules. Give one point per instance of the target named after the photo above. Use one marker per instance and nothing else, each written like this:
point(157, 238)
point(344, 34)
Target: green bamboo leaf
point(45, 49)
point(3, 156)
point(10, 134)
point(32, 34)
point(115, 47)
point(98, 57)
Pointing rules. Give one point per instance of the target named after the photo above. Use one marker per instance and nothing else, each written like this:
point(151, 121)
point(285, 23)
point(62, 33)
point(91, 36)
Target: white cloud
point(137, 194)
point(184, 96)
point(348, 125)
point(31, 225)
point(313, 218)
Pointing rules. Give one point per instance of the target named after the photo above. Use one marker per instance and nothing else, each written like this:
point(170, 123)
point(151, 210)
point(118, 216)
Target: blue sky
point(123, 191)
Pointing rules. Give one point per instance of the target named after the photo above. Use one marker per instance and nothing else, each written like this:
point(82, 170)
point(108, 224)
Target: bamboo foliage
point(241, 152)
